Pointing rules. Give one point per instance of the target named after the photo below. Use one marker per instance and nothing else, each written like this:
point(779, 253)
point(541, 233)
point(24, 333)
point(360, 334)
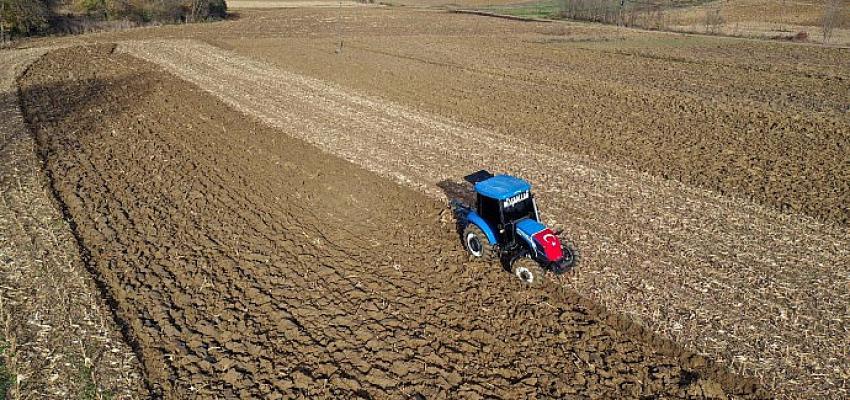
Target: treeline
point(23, 17)
point(30, 17)
point(645, 14)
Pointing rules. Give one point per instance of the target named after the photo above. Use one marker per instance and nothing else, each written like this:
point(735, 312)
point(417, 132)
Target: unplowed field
point(246, 263)
point(767, 18)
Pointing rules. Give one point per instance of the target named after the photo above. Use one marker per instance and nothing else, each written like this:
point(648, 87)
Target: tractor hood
point(542, 239)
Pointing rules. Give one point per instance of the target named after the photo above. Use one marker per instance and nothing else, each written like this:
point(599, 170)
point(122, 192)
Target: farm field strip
point(772, 136)
point(764, 291)
point(57, 334)
point(560, 62)
point(247, 263)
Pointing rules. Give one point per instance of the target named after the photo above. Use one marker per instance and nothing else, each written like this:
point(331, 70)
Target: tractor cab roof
point(502, 187)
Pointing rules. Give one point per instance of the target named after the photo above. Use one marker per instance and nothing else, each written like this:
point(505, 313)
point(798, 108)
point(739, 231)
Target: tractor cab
point(503, 201)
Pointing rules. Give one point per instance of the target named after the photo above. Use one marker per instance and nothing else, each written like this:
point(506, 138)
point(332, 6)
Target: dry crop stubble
point(710, 271)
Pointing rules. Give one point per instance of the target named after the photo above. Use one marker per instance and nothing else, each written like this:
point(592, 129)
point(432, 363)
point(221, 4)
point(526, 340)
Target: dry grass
point(61, 338)
point(779, 12)
point(261, 4)
point(767, 19)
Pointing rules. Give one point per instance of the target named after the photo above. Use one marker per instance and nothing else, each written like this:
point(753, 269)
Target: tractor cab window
point(489, 210)
point(515, 211)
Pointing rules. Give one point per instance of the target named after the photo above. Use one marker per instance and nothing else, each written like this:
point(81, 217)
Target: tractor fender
point(474, 218)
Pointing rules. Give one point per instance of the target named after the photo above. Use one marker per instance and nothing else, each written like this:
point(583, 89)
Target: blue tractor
point(504, 225)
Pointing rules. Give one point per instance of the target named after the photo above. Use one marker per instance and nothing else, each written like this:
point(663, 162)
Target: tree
point(2, 23)
point(195, 10)
point(28, 17)
point(830, 19)
point(199, 10)
point(713, 21)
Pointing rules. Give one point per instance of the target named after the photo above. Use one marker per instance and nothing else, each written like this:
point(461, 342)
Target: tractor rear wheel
point(528, 271)
point(477, 244)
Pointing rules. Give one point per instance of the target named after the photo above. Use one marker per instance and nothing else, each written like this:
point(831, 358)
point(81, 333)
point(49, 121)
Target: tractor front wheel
point(528, 271)
point(569, 261)
point(477, 244)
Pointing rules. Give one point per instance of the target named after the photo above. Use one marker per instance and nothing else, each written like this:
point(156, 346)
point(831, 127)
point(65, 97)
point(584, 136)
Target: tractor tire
point(528, 271)
point(477, 244)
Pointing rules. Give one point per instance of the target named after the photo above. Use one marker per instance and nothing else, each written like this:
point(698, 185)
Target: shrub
point(24, 17)
point(218, 9)
point(801, 36)
point(830, 19)
point(159, 11)
point(91, 6)
point(7, 378)
point(714, 21)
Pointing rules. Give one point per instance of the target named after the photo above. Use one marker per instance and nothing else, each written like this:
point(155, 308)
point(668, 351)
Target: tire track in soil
point(248, 264)
point(764, 292)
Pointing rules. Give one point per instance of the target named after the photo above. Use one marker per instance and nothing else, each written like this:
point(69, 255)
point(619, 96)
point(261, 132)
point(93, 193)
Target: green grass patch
point(7, 379)
point(88, 390)
point(544, 9)
point(685, 3)
point(551, 9)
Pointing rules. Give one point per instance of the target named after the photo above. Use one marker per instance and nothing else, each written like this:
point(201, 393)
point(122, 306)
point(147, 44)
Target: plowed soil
point(248, 264)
